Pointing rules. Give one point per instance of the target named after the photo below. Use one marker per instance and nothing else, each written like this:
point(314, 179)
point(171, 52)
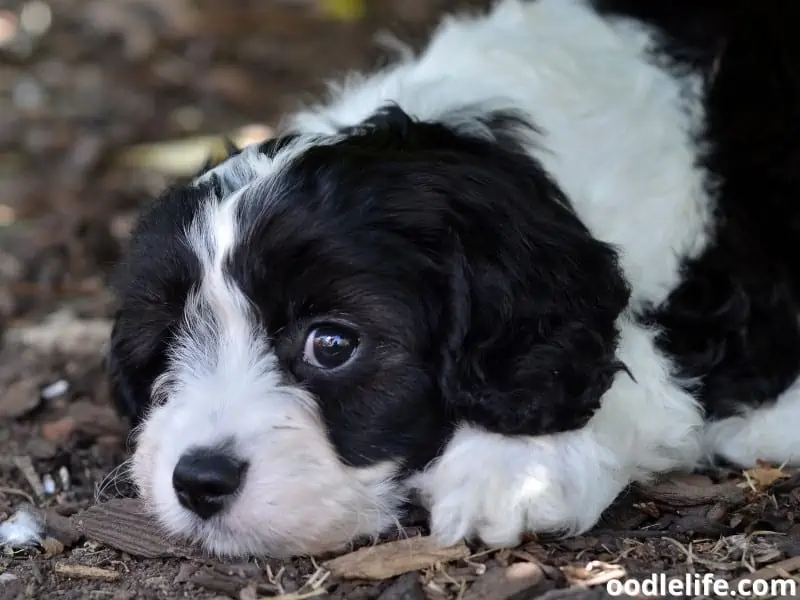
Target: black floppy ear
point(122, 389)
point(133, 362)
point(530, 345)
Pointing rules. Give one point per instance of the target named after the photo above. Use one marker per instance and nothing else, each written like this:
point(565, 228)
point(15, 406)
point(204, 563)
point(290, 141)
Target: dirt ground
point(103, 103)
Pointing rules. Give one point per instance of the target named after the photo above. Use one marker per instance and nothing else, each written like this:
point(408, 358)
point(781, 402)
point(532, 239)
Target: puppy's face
point(302, 328)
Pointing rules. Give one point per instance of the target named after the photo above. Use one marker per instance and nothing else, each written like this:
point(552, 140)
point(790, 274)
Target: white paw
point(497, 488)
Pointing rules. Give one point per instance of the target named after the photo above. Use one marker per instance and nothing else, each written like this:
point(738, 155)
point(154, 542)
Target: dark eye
point(330, 346)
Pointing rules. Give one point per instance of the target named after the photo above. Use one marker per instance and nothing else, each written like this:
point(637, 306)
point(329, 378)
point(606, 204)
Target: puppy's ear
point(530, 341)
point(122, 388)
point(132, 366)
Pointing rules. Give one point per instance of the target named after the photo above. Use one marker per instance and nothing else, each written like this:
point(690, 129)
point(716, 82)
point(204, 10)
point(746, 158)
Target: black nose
point(205, 478)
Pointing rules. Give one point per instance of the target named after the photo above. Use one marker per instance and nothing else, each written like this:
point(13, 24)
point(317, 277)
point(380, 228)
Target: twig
point(630, 533)
point(16, 492)
point(85, 572)
point(25, 465)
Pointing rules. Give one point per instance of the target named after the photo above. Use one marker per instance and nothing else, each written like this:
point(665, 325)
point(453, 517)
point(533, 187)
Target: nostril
point(205, 478)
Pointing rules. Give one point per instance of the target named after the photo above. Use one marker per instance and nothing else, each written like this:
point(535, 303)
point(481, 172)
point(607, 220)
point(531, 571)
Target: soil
point(89, 93)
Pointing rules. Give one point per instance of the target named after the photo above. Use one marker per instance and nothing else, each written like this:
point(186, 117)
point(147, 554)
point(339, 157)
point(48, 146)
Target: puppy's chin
point(297, 497)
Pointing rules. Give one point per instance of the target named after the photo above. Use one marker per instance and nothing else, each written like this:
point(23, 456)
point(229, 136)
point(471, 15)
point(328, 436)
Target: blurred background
point(102, 104)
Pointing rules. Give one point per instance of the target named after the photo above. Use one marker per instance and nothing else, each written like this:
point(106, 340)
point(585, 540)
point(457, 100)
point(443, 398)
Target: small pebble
point(52, 546)
point(60, 430)
point(49, 484)
point(41, 449)
point(55, 389)
point(36, 17)
point(19, 398)
point(64, 478)
point(27, 94)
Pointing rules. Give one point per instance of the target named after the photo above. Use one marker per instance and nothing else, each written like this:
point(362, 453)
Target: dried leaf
point(184, 157)
point(345, 10)
point(764, 476)
point(394, 558)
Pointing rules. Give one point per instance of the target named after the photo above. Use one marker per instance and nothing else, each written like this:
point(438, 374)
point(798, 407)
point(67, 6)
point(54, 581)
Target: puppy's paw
point(498, 488)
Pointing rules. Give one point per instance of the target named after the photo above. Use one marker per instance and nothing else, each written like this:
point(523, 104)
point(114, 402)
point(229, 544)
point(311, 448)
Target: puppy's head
point(302, 328)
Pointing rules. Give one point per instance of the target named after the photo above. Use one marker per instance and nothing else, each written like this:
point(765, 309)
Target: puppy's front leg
point(497, 488)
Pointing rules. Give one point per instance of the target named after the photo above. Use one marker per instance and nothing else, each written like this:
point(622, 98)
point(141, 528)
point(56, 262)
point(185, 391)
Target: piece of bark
point(394, 558)
point(124, 525)
point(692, 490)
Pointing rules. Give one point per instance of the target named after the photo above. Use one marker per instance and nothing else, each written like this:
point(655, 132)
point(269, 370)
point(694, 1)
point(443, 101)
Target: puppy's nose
point(205, 479)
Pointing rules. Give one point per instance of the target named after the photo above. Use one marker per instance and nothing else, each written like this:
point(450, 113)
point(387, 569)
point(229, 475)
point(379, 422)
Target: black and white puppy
point(553, 254)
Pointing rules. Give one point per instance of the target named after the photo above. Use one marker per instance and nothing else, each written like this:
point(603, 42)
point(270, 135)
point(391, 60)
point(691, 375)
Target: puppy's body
point(546, 258)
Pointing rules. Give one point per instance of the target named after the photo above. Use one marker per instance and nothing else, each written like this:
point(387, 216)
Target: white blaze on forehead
point(240, 170)
point(221, 338)
point(220, 333)
point(252, 165)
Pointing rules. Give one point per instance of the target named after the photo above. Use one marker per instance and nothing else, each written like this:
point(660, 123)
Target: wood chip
point(25, 466)
point(218, 583)
point(85, 572)
point(692, 490)
point(394, 558)
point(19, 398)
point(499, 583)
point(52, 547)
point(123, 525)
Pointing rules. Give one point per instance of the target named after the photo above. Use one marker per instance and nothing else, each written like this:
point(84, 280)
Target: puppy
point(551, 255)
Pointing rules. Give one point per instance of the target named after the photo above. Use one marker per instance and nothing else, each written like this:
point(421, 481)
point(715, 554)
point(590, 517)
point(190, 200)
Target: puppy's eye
point(330, 346)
